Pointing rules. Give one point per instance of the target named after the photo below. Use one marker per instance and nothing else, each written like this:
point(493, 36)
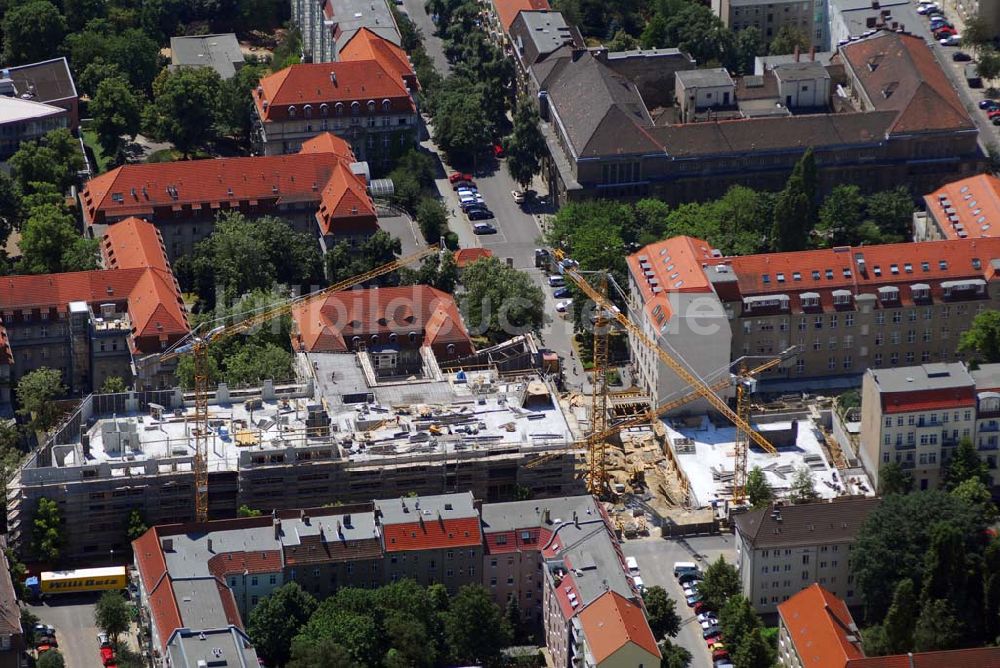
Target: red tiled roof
point(149, 558)
point(229, 606)
point(818, 624)
point(432, 534)
point(976, 657)
point(507, 10)
point(611, 622)
point(134, 244)
point(672, 265)
point(515, 541)
point(360, 81)
point(156, 582)
point(928, 400)
point(466, 256)
point(327, 142)
point(366, 45)
point(327, 325)
point(163, 609)
point(345, 207)
point(969, 205)
point(229, 563)
point(899, 73)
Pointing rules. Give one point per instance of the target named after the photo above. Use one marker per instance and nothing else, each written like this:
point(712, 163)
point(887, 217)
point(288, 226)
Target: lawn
point(90, 140)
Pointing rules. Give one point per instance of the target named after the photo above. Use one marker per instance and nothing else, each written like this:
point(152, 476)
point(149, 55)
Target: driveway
point(422, 20)
point(656, 558)
point(73, 618)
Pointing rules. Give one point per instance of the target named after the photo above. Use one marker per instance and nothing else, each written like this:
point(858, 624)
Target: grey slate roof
point(987, 376)
point(717, 76)
point(405, 510)
point(350, 16)
point(807, 524)
point(529, 514)
point(536, 34)
point(224, 648)
point(48, 81)
point(190, 554)
point(936, 376)
point(221, 52)
point(800, 72)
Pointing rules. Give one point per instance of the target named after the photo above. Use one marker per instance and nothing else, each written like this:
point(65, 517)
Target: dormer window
point(324, 110)
point(338, 109)
point(291, 111)
point(355, 108)
point(371, 106)
point(386, 106)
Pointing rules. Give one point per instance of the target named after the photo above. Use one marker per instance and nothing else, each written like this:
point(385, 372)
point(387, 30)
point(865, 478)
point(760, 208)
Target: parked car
point(721, 658)
point(993, 113)
point(564, 306)
point(498, 151)
point(484, 228)
point(996, 121)
point(710, 631)
point(928, 8)
point(559, 293)
point(701, 607)
point(938, 20)
point(705, 615)
point(692, 599)
point(102, 640)
point(951, 40)
point(944, 31)
point(716, 645)
point(961, 57)
point(989, 105)
point(107, 656)
point(479, 213)
point(518, 196)
point(689, 577)
point(556, 281)
point(682, 567)
point(463, 184)
point(459, 176)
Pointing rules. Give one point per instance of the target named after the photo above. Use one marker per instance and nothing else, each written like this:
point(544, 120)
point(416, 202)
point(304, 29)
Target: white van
point(556, 281)
point(682, 567)
point(632, 564)
point(639, 584)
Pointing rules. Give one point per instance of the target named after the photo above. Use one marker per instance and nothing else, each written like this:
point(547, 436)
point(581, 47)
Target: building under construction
point(341, 434)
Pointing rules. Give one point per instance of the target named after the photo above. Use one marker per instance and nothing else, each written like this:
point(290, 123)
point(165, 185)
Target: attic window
point(117, 197)
point(765, 278)
point(874, 62)
point(976, 263)
point(780, 277)
point(847, 273)
point(815, 275)
point(889, 89)
point(829, 274)
point(877, 270)
point(943, 265)
point(925, 266)
point(894, 269)
point(796, 276)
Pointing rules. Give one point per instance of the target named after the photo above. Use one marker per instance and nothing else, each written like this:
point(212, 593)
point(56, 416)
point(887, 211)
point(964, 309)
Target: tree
point(321, 653)
point(512, 618)
point(10, 206)
point(526, 146)
point(126, 657)
point(344, 261)
point(621, 41)
point(237, 109)
point(977, 496)
point(982, 338)
point(803, 488)
point(56, 159)
point(894, 479)
point(891, 212)
point(737, 619)
point(673, 656)
point(661, 613)
point(432, 217)
point(185, 107)
point(946, 572)
point(791, 217)
point(113, 385)
point(36, 395)
point(749, 45)
point(899, 621)
point(788, 39)
point(988, 65)
point(758, 490)
point(46, 531)
point(50, 243)
point(720, 582)
point(462, 127)
point(111, 614)
point(438, 271)
point(840, 216)
point(500, 301)
point(936, 628)
point(31, 31)
point(892, 542)
point(753, 652)
point(117, 112)
point(977, 34)
point(247, 511)
point(276, 620)
point(136, 524)
point(51, 659)
point(475, 627)
point(965, 464)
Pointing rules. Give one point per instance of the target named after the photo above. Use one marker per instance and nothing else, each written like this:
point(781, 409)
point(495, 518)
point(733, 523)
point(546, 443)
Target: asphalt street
point(422, 20)
point(73, 618)
point(656, 558)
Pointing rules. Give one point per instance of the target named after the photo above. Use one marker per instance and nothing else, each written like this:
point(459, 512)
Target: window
point(849, 320)
point(273, 579)
point(848, 362)
point(253, 581)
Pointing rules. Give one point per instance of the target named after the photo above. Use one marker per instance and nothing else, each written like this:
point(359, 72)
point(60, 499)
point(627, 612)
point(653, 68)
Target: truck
point(76, 581)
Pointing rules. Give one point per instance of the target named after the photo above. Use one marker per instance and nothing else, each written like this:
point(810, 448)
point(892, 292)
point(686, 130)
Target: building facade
point(808, 17)
point(916, 416)
point(782, 550)
point(25, 120)
point(48, 82)
point(327, 26)
point(321, 190)
point(840, 310)
point(964, 209)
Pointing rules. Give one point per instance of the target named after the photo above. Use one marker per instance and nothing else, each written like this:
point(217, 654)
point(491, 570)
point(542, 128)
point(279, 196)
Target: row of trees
point(400, 624)
point(749, 644)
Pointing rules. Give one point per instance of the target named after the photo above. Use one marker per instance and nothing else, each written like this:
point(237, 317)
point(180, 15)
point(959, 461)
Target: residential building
point(226, 567)
point(769, 18)
point(366, 102)
point(48, 82)
point(698, 90)
point(842, 310)
point(533, 35)
point(816, 629)
point(613, 134)
point(12, 644)
point(92, 325)
point(592, 612)
point(501, 15)
point(328, 25)
point(26, 120)
point(393, 325)
point(915, 416)
point(854, 19)
point(369, 45)
point(764, 63)
point(781, 550)
point(964, 209)
point(431, 539)
point(221, 52)
point(320, 190)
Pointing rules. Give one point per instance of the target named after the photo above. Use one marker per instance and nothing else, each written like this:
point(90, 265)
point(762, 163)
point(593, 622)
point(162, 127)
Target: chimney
point(812, 54)
point(333, 77)
point(210, 545)
point(347, 520)
point(796, 53)
point(340, 529)
point(578, 53)
point(277, 529)
point(601, 54)
point(875, 4)
point(545, 516)
point(576, 520)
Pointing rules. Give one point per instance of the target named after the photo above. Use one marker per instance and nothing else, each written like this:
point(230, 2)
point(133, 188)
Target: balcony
point(907, 465)
point(987, 447)
point(905, 446)
point(989, 427)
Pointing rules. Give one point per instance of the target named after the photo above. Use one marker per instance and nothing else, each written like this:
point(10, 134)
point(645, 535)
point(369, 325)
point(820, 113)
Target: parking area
point(656, 558)
point(73, 618)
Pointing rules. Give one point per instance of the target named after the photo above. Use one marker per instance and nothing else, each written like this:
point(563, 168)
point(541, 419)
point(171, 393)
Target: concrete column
point(267, 391)
point(222, 394)
point(131, 402)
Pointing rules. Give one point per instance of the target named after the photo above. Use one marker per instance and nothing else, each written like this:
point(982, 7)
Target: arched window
point(291, 111)
point(355, 108)
point(451, 348)
point(392, 337)
point(386, 105)
point(374, 339)
point(356, 341)
point(324, 110)
point(307, 111)
point(371, 106)
point(413, 337)
point(339, 108)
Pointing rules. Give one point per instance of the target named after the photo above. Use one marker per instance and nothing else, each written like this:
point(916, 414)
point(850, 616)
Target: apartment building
point(501, 15)
point(613, 133)
point(321, 190)
point(367, 102)
point(964, 209)
point(843, 310)
point(782, 550)
point(806, 16)
point(196, 579)
point(915, 416)
point(815, 628)
point(92, 325)
point(12, 643)
point(327, 26)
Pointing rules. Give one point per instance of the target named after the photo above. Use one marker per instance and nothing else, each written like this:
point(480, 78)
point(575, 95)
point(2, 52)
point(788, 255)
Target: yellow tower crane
point(608, 310)
point(197, 344)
